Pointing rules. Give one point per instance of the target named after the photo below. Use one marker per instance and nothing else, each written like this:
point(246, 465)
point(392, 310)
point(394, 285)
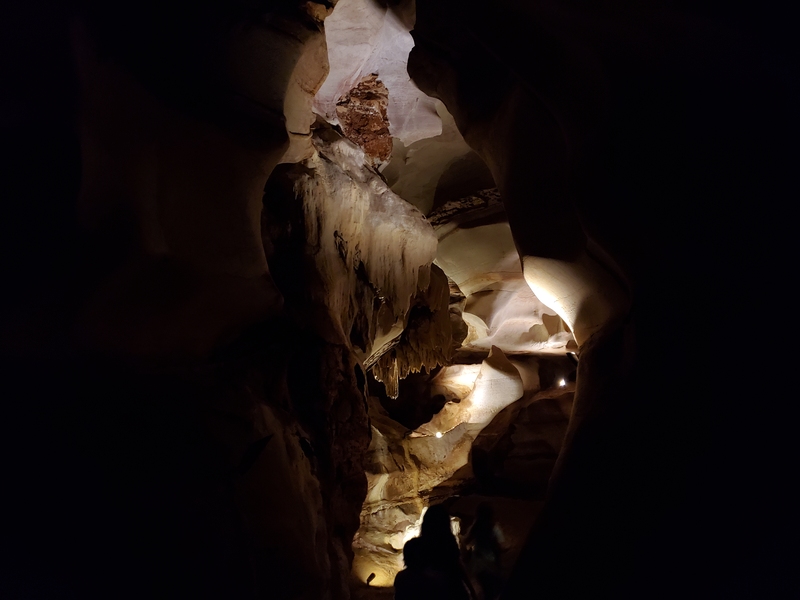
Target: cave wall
point(155, 379)
point(198, 425)
point(490, 429)
point(588, 118)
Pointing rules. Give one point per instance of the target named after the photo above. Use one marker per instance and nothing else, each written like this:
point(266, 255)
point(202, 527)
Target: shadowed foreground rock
point(544, 227)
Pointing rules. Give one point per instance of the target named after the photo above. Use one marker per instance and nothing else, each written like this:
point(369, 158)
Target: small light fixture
point(562, 382)
point(438, 434)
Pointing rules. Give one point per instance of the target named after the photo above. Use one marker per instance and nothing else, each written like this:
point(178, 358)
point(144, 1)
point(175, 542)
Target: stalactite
point(368, 251)
point(426, 342)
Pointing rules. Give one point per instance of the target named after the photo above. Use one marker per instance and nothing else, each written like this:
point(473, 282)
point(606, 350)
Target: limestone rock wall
point(430, 338)
point(437, 169)
point(405, 469)
point(365, 254)
point(477, 251)
point(202, 421)
point(362, 115)
point(365, 37)
point(354, 262)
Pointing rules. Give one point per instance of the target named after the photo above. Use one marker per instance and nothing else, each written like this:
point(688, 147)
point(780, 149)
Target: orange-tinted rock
point(362, 115)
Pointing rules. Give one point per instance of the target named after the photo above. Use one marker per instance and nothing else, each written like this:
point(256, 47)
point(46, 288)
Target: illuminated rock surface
point(436, 169)
point(364, 37)
point(407, 469)
point(371, 251)
point(362, 116)
point(477, 251)
point(266, 298)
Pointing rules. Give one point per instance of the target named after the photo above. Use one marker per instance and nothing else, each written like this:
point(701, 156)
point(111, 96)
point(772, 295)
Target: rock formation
point(362, 115)
point(407, 469)
point(365, 37)
point(281, 275)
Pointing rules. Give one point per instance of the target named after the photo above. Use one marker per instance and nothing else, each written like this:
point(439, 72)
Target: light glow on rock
point(365, 37)
point(562, 382)
point(438, 434)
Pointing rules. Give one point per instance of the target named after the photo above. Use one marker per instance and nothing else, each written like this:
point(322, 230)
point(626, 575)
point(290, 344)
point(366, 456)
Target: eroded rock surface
point(365, 37)
point(366, 253)
point(432, 335)
point(355, 264)
point(477, 251)
point(362, 116)
point(438, 169)
point(405, 468)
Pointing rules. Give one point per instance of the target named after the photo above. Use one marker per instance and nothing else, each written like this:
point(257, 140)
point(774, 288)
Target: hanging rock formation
point(280, 275)
point(369, 252)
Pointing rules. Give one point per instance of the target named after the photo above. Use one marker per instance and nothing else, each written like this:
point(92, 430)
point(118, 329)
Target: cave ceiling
point(428, 164)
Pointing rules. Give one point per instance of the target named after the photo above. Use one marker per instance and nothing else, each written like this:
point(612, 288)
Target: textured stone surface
point(477, 251)
point(436, 169)
point(431, 336)
point(307, 77)
point(518, 452)
point(555, 109)
point(362, 116)
point(405, 467)
point(369, 252)
point(364, 37)
point(184, 374)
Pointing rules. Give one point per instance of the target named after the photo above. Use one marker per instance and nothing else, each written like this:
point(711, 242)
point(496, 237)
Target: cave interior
point(279, 276)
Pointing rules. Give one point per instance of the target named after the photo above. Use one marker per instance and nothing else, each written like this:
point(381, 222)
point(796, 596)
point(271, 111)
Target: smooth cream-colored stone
point(583, 292)
point(415, 171)
point(501, 310)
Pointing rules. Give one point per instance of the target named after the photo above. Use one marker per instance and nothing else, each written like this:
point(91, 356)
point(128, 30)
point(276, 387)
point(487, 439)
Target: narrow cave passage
point(468, 403)
point(280, 276)
point(431, 446)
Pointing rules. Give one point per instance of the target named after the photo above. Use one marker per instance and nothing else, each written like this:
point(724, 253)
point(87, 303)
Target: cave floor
point(515, 517)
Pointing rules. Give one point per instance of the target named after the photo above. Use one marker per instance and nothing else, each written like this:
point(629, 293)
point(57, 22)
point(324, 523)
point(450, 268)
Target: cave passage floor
point(515, 517)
